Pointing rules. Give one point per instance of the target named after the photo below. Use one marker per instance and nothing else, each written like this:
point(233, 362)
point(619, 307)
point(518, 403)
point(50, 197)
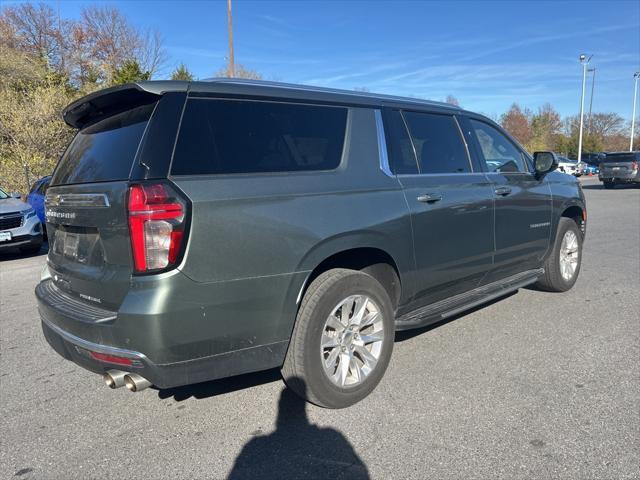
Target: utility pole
point(636, 76)
point(593, 83)
point(584, 61)
point(231, 69)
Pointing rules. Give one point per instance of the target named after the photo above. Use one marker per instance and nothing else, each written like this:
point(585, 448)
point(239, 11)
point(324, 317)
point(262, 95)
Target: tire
point(553, 279)
point(609, 185)
point(304, 367)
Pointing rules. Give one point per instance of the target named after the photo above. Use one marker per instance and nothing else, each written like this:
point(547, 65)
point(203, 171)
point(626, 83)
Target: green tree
point(128, 72)
point(182, 73)
point(545, 128)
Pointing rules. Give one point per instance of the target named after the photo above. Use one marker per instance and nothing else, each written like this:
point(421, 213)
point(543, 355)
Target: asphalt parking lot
point(535, 385)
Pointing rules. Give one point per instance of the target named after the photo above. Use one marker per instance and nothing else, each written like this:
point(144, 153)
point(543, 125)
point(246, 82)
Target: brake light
point(634, 165)
point(157, 218)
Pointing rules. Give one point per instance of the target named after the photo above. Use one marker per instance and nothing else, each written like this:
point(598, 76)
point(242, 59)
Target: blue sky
point(487, 54)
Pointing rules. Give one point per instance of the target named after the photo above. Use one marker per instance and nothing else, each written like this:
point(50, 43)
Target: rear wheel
point(562, 266)
point(342, 340)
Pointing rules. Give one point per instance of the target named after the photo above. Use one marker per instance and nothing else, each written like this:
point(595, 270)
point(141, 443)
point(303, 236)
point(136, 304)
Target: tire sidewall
point(323, 387)
point(565, 225)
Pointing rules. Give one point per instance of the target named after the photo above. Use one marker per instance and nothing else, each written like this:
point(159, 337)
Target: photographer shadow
point(298, 449)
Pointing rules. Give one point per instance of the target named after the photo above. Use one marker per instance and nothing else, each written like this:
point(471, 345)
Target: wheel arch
point(374, 256)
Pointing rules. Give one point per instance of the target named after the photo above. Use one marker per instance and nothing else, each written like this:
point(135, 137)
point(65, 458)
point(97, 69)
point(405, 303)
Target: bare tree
point(240, 72)
point(452, 100)
point(112, 41)
point(37, 30)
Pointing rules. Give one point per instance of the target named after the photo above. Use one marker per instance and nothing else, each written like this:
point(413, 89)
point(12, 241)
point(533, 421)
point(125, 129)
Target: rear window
point(105, 150)
point(237, 136)
point(620, 157)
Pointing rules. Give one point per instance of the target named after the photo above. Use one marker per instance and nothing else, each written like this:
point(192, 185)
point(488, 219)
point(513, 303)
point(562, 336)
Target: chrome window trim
point(383, 156)
point(466, 146)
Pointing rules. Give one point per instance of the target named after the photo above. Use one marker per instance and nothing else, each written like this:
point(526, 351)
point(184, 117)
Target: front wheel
point(562, 266)
point(342, 340)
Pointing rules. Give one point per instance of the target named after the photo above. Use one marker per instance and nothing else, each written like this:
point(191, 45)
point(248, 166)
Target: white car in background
point(572, 167)
point(19, 224)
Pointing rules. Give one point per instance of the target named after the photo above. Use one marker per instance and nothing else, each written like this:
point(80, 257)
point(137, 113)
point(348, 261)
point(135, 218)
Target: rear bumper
point(170, 347)
point(162, 375)
point(622, 178)
point(22, 241)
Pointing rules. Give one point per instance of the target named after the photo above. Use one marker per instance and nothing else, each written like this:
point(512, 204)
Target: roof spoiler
point(110, 101)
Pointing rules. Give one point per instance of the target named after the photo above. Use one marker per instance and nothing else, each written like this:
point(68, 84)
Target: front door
point(523, 204)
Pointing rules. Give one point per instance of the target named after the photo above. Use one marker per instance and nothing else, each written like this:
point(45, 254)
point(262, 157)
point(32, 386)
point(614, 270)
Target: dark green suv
point(207, 229)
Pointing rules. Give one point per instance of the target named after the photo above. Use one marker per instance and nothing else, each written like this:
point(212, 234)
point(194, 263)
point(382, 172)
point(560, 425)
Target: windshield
point(620, 157)
point(3, 194)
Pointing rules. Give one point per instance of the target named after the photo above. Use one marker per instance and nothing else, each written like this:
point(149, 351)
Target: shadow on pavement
point(15, 253)
point(600, 186)
point(220, 387)
point(298, 449)
point(408, 334)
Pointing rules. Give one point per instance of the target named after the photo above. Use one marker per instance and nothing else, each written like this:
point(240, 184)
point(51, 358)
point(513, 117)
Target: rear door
point(85, 207)
point(523, 203)
point(451, 204)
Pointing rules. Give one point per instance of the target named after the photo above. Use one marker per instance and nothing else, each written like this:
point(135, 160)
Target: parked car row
point(20, 226)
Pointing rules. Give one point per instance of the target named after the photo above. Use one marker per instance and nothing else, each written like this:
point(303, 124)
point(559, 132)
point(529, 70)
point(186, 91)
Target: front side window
point(236, 136)
point(438, 143)
point(498, 152)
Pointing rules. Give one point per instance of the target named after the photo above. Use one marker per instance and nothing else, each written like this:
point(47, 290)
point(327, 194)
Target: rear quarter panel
point(276, 228)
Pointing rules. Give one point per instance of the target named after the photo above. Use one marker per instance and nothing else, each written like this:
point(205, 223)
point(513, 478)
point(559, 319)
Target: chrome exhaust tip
point(114, 378)
point(135, 382)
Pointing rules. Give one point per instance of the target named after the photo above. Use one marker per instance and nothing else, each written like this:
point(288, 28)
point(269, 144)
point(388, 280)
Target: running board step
point(464, 301)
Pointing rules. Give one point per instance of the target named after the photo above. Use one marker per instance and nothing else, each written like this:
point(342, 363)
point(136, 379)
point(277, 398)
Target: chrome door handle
point(502, 191)
point(429, 198)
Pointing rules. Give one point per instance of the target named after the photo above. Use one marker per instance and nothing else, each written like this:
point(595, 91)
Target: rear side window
point(237, 136)
point(438, 143)
point(105, 150)
point(402, 160)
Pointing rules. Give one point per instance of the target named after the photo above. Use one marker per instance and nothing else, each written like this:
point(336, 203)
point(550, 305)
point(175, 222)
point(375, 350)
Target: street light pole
point(231, 69)
point(636, 76)
point(593, 83)
point(584, 61)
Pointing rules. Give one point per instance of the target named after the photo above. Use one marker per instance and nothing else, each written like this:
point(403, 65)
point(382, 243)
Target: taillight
point(634, 165)
point(157, 218)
